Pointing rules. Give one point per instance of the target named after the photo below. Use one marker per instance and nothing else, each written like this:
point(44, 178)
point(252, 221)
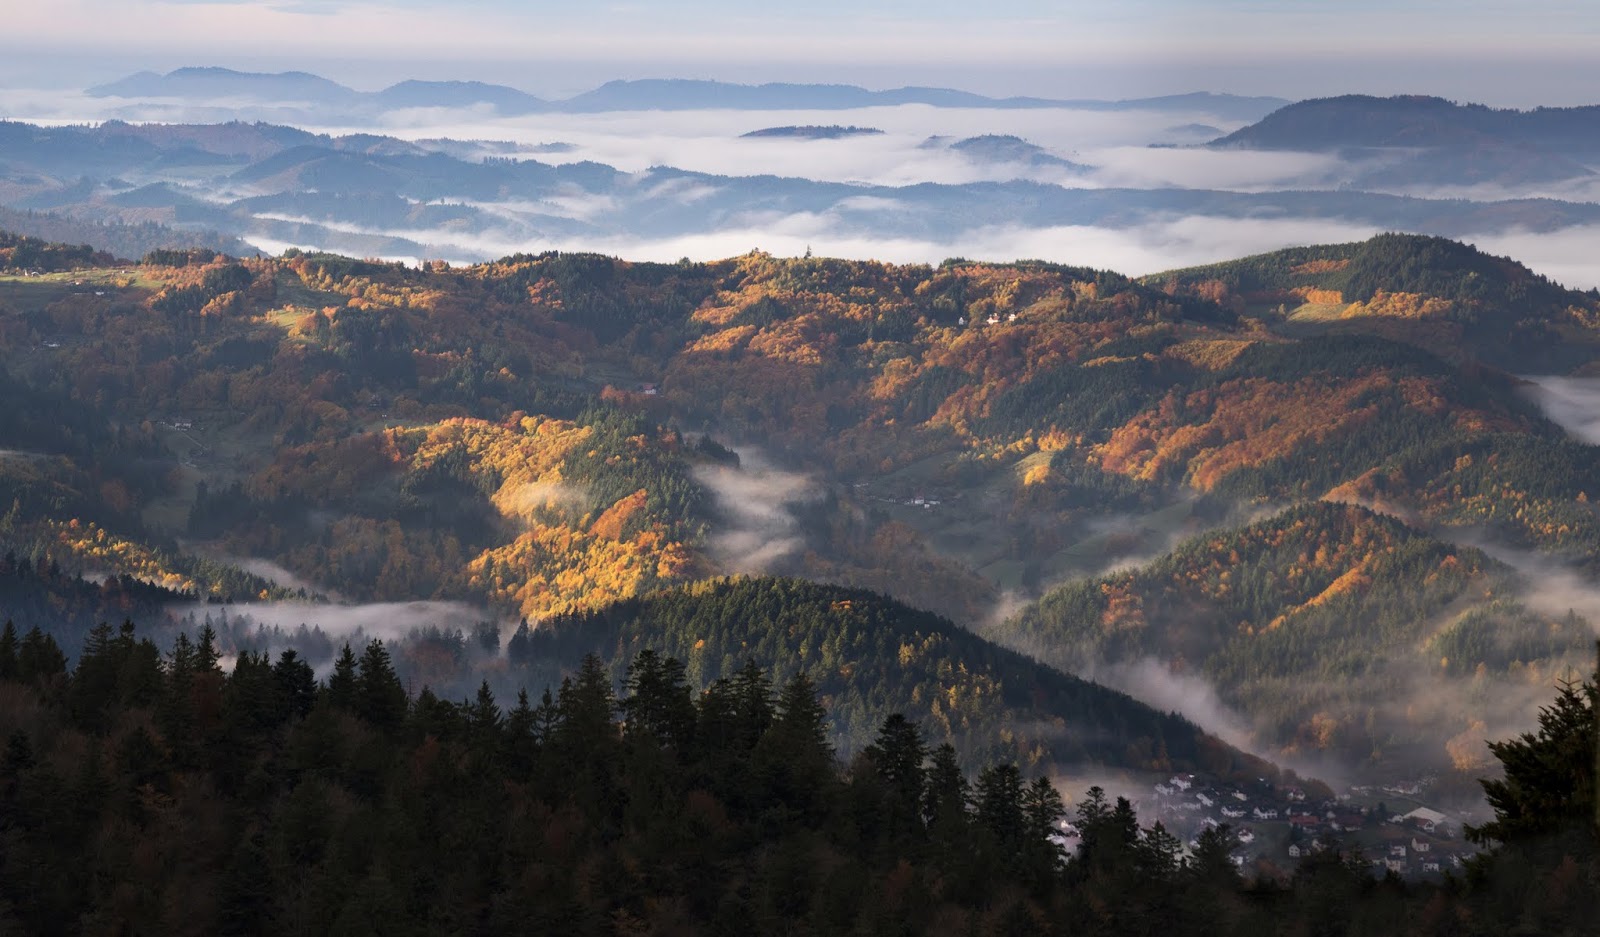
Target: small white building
point(1425, 818)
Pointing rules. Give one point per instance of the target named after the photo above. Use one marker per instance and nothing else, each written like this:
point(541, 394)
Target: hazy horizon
point(1471, 51)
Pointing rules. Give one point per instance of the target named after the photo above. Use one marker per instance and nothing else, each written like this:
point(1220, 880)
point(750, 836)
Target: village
point(1276, 827)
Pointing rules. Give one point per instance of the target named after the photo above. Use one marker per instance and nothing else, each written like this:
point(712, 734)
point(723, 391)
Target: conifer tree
point(794, 760)
point(1549, 774)
point(297, 684)
point(483, 717)
point(9, 665)
point(38, 657)
point(342, 682)
point(997, 797)
point(1043, 811)
point(658, 704)
point(380, 697)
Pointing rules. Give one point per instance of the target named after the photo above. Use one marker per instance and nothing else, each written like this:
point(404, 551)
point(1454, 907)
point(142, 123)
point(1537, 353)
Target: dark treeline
point(25, 253)
point(144, 793)
point(121, 240)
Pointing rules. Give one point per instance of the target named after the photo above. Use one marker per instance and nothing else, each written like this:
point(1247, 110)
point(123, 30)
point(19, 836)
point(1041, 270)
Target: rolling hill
point(1416, 141)
point(1416, 121)
point(1448, 297)
point(1345, 635)
point(548, 435)
point(206, 84)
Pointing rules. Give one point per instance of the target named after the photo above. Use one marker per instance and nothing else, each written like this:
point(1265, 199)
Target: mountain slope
point(550, 433)
point(1441, 295)
point(462, 94)
point(213, 82)
point(1339, 631)
point(867, 653)
point(1416, 121)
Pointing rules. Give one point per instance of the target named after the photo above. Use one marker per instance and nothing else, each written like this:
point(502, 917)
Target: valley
point(1182, 487)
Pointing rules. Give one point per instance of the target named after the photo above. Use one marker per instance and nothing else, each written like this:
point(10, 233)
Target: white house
point(1427, 819)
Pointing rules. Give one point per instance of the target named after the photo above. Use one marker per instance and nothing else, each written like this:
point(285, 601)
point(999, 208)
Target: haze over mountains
point(987, 441)
point(202, 85)
point(468, 171)
point(1425, 141)
point(705, 468)
point(1217, 490)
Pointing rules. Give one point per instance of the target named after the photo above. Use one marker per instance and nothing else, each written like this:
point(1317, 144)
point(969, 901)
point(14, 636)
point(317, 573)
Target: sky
point(1523, 54)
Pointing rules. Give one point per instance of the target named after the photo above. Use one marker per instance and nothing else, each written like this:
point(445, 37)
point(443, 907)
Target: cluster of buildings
point(991, 319)
point(1277, 824)
point(916, 501)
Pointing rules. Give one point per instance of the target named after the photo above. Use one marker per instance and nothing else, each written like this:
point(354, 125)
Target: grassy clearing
point(292, 292)
point(1317, 312)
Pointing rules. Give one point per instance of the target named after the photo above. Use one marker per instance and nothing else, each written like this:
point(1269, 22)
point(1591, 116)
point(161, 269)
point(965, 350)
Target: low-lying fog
point(1072, 148)
point(1563, 255)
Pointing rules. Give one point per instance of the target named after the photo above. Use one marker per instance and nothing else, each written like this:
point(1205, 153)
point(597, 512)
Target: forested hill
point(120, 240)
point(1416, 121)
point(1345, 635)
point(866, 653)
point(1442, 295)
point(150, 794)
point(549, 435)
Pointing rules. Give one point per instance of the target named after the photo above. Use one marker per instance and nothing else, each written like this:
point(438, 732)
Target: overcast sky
point(1525, 53)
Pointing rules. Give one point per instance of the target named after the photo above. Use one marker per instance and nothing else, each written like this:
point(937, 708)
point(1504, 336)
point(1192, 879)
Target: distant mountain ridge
point(286, 185)
point(225, 82)
point(1414, 139)
point(201, 83)
point(1416, 121)
point(122, 240)
point(811, 132)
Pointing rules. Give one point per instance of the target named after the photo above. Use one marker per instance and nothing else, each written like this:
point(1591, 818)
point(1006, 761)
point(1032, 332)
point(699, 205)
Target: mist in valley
point(693, 186)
